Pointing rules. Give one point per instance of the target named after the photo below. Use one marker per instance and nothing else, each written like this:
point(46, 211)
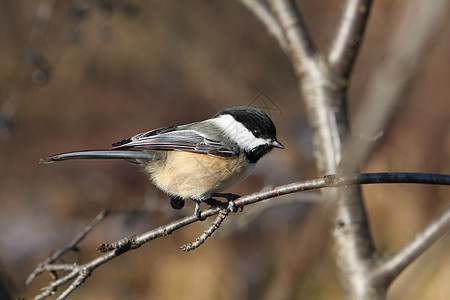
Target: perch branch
point(79, 273)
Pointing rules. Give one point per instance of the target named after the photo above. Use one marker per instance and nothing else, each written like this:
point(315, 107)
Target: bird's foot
point(198, 212)
point(230, 198)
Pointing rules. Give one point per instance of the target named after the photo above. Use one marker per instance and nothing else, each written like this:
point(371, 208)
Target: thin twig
point(208, 232)
point(82, 275)
point(388, 267)
point(292, 199)
point(71, 246)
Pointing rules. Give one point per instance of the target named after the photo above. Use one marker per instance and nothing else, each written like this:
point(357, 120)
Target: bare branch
point(348, 35)
point(324, 93)
point(291, 199)
point(390, 266)
point(213, 227)
point(79, 273)
point(322, 102)
point(71, 246)
point(263, 13)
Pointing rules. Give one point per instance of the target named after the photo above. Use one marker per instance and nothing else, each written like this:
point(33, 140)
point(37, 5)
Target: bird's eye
point(256, 133)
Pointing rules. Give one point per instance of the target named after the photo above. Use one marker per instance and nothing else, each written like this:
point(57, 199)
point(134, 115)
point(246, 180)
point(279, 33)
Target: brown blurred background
point(83, 74)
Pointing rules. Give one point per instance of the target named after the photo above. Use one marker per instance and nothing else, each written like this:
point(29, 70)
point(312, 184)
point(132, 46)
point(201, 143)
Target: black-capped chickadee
point(196, 160)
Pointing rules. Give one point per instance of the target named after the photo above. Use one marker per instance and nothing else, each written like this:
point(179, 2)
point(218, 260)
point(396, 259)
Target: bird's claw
point(198, 212)
point(230, 198)
point(232, 206)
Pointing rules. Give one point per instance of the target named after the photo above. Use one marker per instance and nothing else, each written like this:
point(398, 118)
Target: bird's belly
point(197, 176)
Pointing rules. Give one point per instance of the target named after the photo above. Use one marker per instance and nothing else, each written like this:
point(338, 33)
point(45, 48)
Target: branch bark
point(79, 273)
point(390, 266)
point(323, 82)
point(324, 93)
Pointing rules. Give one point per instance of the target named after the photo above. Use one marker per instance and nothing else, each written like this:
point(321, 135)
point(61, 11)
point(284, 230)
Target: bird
point(197, 160)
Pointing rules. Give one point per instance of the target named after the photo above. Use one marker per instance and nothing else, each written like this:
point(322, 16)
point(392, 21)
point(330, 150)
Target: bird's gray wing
point(174, 138)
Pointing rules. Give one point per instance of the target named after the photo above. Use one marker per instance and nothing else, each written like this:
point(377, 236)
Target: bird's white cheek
point(250, 143)
point(238, 132)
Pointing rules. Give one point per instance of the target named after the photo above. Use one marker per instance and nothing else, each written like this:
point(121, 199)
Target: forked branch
point(392, 265)
point(78, 273)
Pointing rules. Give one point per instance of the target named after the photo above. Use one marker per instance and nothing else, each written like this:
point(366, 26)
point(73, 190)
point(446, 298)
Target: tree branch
point(388, 267)
point(223, 213)
point(325, 96)
point(314, 83)
point(79, 273)
point(73, 245)
point(348, 35)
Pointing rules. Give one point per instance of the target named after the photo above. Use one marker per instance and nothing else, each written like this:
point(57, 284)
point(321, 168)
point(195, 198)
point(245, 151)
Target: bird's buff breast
point(197, 176)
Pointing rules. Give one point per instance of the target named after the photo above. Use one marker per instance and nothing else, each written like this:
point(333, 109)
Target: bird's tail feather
point(99, 154)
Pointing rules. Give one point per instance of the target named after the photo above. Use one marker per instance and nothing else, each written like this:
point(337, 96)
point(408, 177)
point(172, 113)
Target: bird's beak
point(277, 144)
